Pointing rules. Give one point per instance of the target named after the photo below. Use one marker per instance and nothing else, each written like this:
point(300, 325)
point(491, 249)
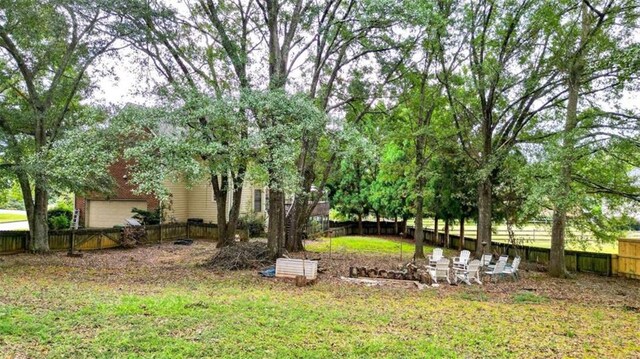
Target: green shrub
point(147, 217)
point(253, 223)
point(59, 222)
point(314, 228)
point(59, 218)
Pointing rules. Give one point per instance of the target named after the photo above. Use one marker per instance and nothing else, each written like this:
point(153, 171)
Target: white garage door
point(105, 214)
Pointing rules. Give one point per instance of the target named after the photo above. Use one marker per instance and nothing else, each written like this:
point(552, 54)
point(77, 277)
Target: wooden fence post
point(25, 242)
point(71, 241)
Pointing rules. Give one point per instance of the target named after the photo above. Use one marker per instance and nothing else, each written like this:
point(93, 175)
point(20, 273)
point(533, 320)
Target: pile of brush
point(241, 255)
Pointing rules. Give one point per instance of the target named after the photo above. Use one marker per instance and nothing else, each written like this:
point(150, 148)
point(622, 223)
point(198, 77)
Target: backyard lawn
point(370, 245)
point(12, 217)
point(159, 301)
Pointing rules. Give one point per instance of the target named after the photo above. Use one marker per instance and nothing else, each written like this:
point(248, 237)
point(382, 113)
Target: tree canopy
point(487, 110)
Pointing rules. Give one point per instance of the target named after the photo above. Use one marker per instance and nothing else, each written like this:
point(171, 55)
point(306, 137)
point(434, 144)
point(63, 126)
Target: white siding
point(178, 210)
point(198, 201)
point(201, 203)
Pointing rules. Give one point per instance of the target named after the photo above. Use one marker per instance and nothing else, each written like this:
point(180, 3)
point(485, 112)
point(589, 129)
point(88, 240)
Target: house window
point(257, 200)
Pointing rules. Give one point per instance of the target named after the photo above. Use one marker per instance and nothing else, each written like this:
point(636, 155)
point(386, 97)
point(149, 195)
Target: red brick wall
point(123, 190)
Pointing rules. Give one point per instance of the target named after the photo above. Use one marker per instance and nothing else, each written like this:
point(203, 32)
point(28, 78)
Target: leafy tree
point(496, 69)
point(593, 153)
point(49, 139)
point(197, 57)
point(351, 186)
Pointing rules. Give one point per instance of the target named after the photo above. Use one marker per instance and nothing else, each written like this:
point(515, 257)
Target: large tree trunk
point(484, 217)
point(461, 243)
point(557, 266)
point(395, 225)
point(418, 235)
point(378, 228)
point(220, 191)
point(297, 220)
point(446, 233)
point(27, 198)
point(435, 237)
point(234, 212)
point(40, 230)
point(276, 228)
point(360, 230)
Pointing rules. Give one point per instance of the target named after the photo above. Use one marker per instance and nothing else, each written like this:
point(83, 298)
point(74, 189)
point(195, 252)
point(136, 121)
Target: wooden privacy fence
point(629, 258)
point(102, 238)
point(600, 263)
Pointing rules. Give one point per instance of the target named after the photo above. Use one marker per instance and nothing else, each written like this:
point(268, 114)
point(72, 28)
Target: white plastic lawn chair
point(462, 260)
point(472, 272)
point(440, 271)
point(486, 260)
point(503, 259)
point(513, 269)
point(435, 256)
point(497, 271)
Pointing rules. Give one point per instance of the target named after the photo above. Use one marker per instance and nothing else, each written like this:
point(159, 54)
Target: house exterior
point(99, 211)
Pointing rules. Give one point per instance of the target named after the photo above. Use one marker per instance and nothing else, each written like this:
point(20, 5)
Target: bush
point(59, 218)
point(147, 217)
point(253, 223)
point(314, 228)
point(59, 222)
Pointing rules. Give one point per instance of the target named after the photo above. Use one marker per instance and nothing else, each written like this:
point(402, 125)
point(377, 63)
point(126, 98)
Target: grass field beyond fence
point(12, 217)
point(534, 235)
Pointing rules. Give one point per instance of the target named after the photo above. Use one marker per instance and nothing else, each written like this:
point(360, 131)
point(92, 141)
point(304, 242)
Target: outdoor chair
point(435, 256)
point(472, 272)
point(440, 271)
point(461, 261)
point(512, 269)
point(497, 271)
point(503, 258)
point(486, 260)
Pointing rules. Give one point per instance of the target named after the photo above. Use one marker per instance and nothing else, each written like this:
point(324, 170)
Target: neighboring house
point(99, 211)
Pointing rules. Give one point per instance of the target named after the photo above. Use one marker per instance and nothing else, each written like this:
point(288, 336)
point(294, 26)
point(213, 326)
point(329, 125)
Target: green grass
point(528, 297)
point(179, 310)
point(371, 245)
point(12, 217)
point(361, 244)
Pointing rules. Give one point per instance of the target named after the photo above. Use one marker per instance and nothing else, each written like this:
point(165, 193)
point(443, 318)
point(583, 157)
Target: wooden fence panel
point(13, 241)
point(96, 238)
point(59, 240)
point(629, 257)
point(152, 234)
point(202, 231)
point(174, 231)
